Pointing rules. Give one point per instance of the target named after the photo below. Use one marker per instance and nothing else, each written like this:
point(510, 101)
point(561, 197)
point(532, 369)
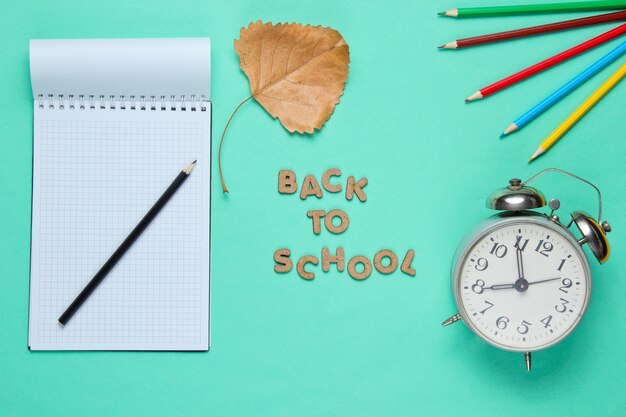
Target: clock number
point(502, 322)
point(490, 305)
point(498, 250)
point(518, 243)
point(523, 328)
point(481, 264)
point(546, 321)
point(478, 287)
point(544, 247)
point(567, 283)
point(561, 308)
point(561, 264)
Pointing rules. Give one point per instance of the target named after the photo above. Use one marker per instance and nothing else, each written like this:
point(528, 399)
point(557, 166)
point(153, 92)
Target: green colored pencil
point(577, 6)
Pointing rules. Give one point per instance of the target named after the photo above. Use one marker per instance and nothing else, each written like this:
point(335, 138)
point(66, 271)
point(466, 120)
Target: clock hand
point(521, 284)
point(544, 280)
point(520, 264)
point(500, 287)
point(515, 285)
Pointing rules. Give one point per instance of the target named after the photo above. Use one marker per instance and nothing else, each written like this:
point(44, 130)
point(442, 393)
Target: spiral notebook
point(115, 121)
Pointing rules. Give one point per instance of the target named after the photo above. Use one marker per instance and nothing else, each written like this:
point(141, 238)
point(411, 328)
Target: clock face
point(523, 286)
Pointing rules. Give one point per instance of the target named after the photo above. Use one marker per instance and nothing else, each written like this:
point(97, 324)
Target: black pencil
point(126, 244)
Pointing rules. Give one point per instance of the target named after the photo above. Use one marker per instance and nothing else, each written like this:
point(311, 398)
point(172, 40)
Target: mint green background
point(282, 346)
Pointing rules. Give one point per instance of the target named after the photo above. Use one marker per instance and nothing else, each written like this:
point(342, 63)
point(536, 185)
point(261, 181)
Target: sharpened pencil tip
point(450, 13)
point(538, 152)
point(502, 135)
point(187, 170)
point(476, 96)
point(194, 161)
point(449, 45)
point(512, 128)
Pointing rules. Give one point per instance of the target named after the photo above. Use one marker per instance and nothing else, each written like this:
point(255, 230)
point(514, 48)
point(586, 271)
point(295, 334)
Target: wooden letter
point(378, 261)
point(283, 263)
point(327, 259)
point(367, 267)
point(302, 262)
point(310, 187)
point(356, 188)
point(287, 182)
point(328, 221)
point(406, 264)
point(316, 215)
point(333, 172)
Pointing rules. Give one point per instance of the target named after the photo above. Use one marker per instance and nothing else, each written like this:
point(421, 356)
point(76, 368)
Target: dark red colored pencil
point(535, 30)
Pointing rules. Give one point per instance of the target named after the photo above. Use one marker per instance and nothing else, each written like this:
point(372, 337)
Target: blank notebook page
point(106, 146)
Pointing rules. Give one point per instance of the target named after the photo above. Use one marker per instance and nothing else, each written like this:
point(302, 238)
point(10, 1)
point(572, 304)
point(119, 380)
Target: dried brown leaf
point(297, 73)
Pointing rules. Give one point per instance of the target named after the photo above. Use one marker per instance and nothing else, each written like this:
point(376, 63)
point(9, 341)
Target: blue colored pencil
point(567, 88)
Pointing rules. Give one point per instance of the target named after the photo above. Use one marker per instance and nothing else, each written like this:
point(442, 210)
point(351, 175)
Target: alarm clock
point(520, 279)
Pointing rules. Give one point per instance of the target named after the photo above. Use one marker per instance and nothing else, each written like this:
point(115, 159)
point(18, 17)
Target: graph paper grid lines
point(96, 173)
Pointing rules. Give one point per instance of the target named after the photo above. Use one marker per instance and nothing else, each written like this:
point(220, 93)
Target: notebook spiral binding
point(131, 102)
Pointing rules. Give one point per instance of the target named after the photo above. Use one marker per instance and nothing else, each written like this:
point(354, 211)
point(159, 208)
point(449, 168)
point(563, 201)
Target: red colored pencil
point(535, 30)
point(547, 63)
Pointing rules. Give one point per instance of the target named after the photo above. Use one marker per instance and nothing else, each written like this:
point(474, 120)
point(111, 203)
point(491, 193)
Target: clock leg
point(528, 360)
point(451, 320)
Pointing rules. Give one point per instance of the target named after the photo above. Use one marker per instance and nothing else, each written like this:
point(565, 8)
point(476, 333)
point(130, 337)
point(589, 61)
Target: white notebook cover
point(115, 121)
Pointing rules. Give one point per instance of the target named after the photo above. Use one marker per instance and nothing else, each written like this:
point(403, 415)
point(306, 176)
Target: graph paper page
point(96, 173)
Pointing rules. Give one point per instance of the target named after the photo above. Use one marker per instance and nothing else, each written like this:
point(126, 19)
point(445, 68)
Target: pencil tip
point(538, 152)
point(502, 135)
point(476, 96)
point(449, 45)
point(194, 161)
point(187, 170)
point(449, 13)
point(512, 128)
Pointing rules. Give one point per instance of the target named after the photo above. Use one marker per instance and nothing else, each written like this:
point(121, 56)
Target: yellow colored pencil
point(573, 118)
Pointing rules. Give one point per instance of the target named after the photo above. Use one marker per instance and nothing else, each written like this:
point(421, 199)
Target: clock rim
point(496, 222)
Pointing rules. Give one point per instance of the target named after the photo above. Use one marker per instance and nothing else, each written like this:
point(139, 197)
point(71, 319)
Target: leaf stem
point(219, 152)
